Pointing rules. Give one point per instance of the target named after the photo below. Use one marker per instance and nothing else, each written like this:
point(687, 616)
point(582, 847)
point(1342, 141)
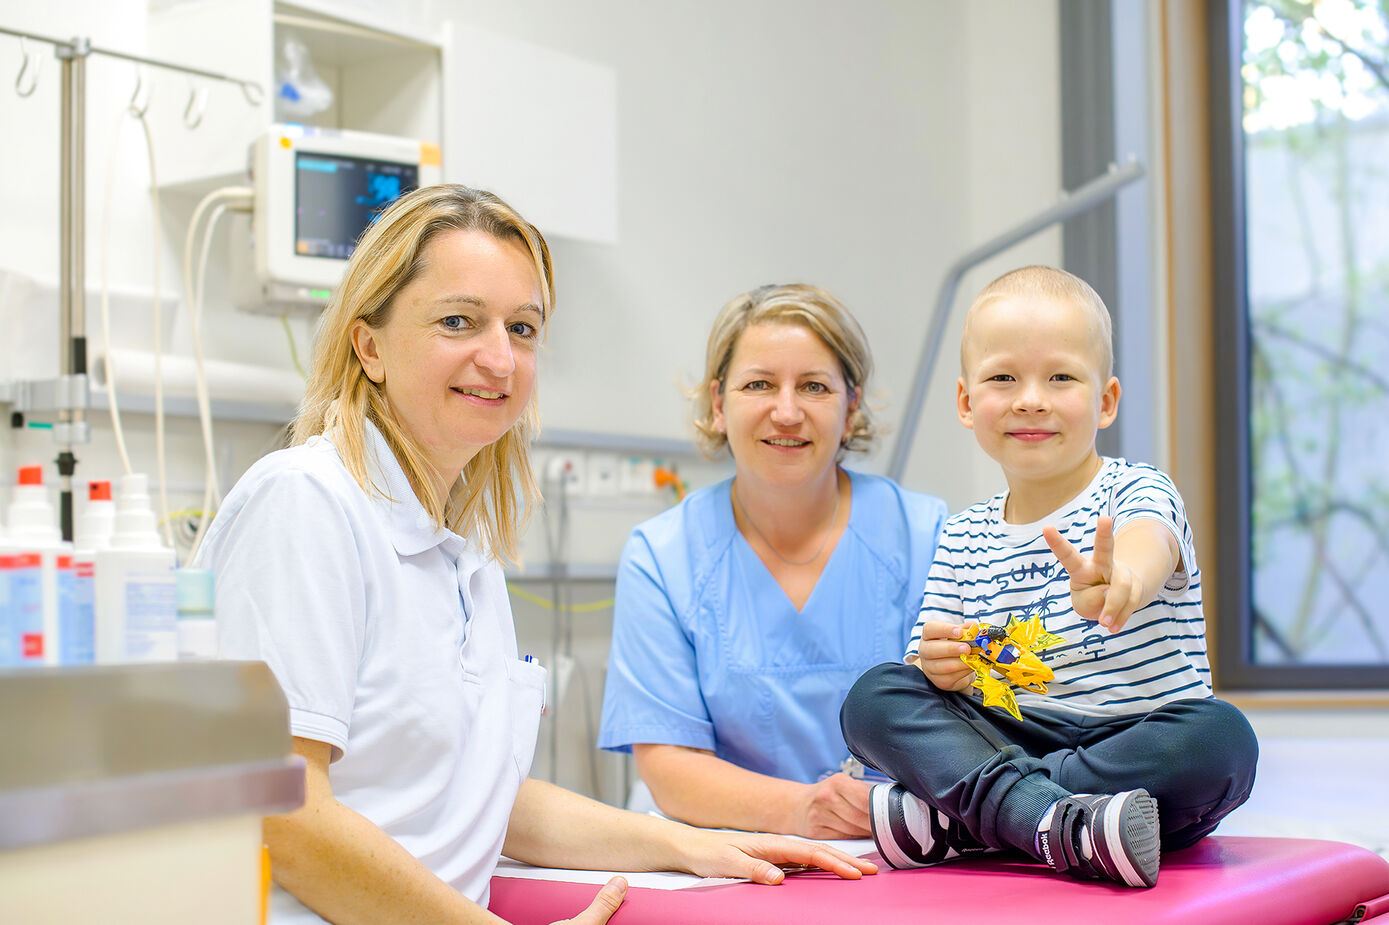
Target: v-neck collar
point(744, 549)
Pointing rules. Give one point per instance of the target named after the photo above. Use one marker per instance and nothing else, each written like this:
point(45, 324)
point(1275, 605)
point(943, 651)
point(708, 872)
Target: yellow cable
point(548, 604)
point(293, 349)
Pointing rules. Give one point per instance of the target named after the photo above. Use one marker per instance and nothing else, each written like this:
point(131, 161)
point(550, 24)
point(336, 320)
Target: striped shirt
point(986, 569)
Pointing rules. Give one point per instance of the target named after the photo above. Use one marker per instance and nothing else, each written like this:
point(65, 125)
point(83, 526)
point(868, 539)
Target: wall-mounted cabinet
point(534, 125)
point(381, 80)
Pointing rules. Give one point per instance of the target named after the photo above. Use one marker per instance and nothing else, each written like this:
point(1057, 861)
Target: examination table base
point(1262, 881)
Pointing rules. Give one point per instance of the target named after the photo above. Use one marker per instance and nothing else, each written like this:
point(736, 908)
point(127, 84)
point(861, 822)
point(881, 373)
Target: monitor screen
point(337, 197)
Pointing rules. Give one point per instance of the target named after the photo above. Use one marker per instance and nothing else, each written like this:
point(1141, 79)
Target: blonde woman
point(746, 613)
point(362, 565)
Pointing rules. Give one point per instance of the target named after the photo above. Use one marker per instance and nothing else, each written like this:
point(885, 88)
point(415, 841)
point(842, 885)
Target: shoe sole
point(1132, 827)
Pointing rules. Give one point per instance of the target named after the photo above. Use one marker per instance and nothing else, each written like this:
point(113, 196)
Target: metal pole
point(72, 346)
point(1080, 200)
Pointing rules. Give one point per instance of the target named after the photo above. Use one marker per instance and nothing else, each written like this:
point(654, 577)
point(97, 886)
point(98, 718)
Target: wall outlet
point(566, 469)
point(636, 476)
point(604, 471)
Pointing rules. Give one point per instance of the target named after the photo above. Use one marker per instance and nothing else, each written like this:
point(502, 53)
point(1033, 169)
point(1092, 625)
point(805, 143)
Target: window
point(1301, 189)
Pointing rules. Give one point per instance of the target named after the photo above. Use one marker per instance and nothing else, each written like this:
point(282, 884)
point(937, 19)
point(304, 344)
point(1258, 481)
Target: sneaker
point(1114, 837)
point(910, 833)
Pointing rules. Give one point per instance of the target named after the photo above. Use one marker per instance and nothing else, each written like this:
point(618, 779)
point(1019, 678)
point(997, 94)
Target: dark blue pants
point(997, 776)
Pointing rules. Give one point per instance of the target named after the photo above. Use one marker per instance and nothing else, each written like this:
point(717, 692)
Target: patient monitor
point(316, 191)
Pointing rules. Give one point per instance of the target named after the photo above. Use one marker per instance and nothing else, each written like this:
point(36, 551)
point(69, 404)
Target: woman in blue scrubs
point(746, 613)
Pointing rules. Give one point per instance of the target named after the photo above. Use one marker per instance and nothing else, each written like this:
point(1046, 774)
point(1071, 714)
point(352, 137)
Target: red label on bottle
point(32, 645)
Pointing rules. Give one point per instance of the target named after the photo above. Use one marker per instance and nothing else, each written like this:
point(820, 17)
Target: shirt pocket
point(526, 700)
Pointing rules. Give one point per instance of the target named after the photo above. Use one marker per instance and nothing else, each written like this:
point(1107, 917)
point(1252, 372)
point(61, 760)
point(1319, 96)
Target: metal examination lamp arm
point(1081, 199)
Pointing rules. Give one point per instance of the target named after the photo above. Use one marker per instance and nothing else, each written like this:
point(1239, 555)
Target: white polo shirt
point(394, 644)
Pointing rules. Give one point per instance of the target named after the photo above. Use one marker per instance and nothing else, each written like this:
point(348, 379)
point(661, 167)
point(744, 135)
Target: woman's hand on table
point(836, 807)
point(603, 905)
point(760, 858)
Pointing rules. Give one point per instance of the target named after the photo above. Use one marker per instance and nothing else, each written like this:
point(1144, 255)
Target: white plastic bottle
point(38, 568)
point(93, 532)
point(136, 615)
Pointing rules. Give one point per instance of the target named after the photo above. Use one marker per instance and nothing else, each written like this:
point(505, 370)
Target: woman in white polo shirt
point(362, 565)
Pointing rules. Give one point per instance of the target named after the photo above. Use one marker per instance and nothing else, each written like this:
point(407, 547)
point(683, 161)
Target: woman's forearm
point(697, 787)
point(553, 827)
point(345, 868)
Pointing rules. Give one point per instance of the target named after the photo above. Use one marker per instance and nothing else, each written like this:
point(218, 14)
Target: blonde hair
point(491, 500)
point(1057, 285)
point(792, 303)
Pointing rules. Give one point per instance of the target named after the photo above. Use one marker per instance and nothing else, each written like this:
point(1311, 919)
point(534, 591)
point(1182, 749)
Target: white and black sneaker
point(1114, 837)
point(911, 833)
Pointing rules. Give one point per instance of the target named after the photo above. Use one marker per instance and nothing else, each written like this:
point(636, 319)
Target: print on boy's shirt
point(1022, 573)
point(1093, 644)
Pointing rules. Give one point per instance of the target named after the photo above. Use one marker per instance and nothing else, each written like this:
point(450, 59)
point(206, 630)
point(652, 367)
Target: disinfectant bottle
point(39, 566)
point(94, 526)
point(136, 616)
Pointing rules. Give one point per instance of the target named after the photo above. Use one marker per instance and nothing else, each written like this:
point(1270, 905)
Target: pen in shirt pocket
point(544, 689)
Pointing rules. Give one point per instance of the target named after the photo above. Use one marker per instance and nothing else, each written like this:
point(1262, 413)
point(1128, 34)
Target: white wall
point(859, 146)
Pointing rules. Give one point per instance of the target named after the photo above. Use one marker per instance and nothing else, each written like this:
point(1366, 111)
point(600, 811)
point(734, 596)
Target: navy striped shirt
point(986, 570)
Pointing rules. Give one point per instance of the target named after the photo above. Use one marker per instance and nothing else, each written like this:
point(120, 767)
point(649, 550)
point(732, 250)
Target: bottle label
point(151, 616)
point(21, 627)
point(76, 612)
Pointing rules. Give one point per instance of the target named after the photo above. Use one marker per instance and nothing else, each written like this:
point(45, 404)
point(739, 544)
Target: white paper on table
point(655, 880)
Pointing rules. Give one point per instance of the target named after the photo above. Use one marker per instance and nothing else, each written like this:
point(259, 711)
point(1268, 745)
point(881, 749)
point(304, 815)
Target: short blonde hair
point(793, 303)
point(1050, 283)
point(492, 498)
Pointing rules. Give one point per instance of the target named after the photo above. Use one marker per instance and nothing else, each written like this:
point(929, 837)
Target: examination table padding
point(1263, 881)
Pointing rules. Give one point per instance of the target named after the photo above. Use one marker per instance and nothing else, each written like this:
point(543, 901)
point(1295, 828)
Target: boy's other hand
point(1102, 591)
point(938, 656)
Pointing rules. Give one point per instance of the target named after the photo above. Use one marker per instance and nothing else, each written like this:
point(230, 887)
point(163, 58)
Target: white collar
point(412, 529)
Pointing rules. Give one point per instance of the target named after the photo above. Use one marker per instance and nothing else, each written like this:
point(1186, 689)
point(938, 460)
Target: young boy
point(1101, 550)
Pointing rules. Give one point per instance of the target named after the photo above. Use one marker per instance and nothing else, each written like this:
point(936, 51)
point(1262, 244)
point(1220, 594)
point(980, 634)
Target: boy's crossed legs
point(997, 778)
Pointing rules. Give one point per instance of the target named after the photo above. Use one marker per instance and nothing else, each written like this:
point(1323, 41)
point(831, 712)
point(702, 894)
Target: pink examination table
point(1260, 881)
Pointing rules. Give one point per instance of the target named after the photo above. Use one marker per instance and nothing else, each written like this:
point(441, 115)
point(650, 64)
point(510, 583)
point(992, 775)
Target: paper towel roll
point(226, 381)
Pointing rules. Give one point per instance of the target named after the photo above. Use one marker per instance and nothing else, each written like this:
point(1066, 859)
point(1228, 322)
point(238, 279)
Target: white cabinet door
point(536, 127)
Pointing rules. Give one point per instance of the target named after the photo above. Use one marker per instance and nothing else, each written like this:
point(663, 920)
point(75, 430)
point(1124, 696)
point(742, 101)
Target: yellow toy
point(1011, 652)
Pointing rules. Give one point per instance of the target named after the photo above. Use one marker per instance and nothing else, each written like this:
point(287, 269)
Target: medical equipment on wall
point(67, 396)
point(316, 191)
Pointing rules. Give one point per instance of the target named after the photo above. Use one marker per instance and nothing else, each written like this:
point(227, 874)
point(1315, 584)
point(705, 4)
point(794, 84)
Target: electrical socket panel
point(603, 471)
point(636, 476)
point(567, 469)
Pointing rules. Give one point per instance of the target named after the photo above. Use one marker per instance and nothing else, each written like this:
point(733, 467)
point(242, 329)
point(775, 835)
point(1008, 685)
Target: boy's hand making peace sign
point(1122, 575)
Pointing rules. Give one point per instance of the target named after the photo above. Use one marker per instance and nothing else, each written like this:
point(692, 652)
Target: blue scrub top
point(708, 651)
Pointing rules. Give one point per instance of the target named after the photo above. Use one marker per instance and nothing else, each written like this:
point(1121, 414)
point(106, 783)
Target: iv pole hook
point(30, 59)
point(140, 99)
point(197, 106)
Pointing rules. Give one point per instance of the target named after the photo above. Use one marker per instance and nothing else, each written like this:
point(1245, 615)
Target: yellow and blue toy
point(1011, 651)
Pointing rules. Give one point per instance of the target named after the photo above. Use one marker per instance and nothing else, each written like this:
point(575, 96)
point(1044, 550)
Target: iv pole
point(68, 395)
point(1082, 199)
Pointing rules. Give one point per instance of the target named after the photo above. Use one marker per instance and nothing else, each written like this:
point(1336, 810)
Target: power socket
point(568, 470)
point(604, 470)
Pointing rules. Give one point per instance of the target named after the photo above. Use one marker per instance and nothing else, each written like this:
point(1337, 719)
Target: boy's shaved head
point(1057, 285)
